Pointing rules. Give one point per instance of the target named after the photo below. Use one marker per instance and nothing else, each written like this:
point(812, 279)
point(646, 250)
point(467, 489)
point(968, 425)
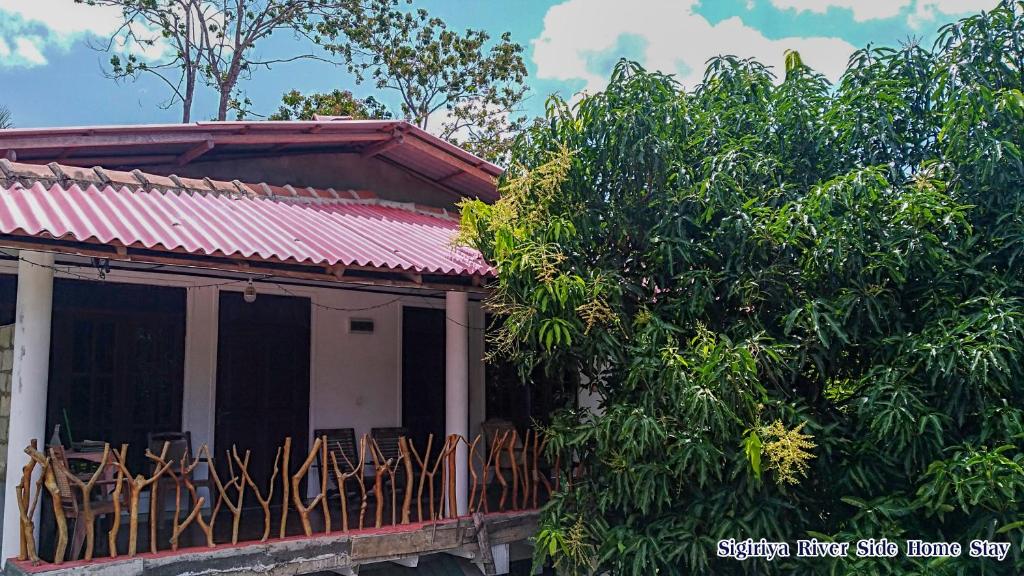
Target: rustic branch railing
point(412, 472)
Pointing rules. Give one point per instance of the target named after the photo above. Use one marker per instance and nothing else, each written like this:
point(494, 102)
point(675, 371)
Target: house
point(218, 311)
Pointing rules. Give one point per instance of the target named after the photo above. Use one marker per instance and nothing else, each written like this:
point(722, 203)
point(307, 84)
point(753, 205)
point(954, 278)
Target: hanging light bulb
point(250, 292)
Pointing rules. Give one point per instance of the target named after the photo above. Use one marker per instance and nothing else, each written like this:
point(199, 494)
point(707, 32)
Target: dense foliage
point(464, 85)
point(298, 106)
point(801, 305)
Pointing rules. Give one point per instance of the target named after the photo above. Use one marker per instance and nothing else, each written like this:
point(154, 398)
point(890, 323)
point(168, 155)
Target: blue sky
point(52, 75)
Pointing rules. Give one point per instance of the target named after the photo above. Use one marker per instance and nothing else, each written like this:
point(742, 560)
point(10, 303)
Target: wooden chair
point(495, 428)
point(341, 442)
point(387, 441)
point(70, 498)
point(179, 444)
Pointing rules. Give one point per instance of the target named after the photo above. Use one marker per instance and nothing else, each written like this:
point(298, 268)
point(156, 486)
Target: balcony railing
point(372, 484)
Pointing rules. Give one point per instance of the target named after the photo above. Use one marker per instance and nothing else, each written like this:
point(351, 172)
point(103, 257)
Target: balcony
point(344, 504)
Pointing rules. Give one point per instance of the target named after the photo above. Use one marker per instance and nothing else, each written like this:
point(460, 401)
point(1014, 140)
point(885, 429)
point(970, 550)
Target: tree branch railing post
point(302, 508)
point(378, 483)
point(27, 506)
point(285, 485)
point(325, 505)
point(423, 464)
point(403, 449)
point(196, 515)
point(498, 447)
point(234, 506)
point(243, 466)
point(85, 487)
point(135, 487)
point(341, 477)
point(451, 457)
point(50, 483)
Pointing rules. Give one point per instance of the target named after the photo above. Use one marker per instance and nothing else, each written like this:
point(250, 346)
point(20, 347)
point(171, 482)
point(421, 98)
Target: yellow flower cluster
point(596, 312)
point(578, 548)
point(787, 450)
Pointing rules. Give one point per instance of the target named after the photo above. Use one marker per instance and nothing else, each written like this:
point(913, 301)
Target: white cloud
point(27, 48)
point(35, 27)
point(927, 11)
point(922, 11)
point(65, 18)
point(668, 35)
point(960, 6)
point(862, 9)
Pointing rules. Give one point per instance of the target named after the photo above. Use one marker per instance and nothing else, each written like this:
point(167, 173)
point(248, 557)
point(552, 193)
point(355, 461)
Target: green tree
point(298, 106)
point(6, 121)
point(801, 306)
point(476, 86)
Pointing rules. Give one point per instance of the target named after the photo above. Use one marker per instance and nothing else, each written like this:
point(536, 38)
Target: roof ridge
point(26, 175)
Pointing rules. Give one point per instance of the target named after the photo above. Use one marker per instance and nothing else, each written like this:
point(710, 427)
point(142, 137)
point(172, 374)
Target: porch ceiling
point(240, 225)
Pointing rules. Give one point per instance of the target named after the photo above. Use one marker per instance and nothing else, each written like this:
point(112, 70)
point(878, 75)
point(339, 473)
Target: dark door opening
point(117, 363)
point(262, 378)
point(423, 374)
point(526, 404)
point(8, 298)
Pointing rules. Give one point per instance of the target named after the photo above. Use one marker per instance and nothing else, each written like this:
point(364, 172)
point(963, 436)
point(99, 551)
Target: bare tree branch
point(211, 42)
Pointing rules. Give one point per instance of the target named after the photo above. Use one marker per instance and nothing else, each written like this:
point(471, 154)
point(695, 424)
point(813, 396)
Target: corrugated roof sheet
point(204, 217)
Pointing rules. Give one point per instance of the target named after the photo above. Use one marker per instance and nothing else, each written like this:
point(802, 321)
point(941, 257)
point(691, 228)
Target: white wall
point(587, 399)
point(357, 377)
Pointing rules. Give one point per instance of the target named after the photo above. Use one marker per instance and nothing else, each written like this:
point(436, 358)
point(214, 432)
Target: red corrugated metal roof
point(306, 226)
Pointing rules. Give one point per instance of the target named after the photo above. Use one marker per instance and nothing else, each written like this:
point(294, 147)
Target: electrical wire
point(265, 278)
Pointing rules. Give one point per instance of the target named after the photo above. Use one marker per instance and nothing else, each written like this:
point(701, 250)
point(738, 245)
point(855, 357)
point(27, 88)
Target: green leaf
point(752, 448)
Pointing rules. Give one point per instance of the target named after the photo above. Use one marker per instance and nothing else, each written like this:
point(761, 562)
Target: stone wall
point(6, 363)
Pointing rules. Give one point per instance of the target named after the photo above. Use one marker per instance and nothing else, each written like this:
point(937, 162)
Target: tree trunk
point(228, 86)
point(186, 102)
point(222, 107)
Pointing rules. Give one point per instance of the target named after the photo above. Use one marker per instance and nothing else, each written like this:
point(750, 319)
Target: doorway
point(116, 364)
point(263, 377)
point(423, 374)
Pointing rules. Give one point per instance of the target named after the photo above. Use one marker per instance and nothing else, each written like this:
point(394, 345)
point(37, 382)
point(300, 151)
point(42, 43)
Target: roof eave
point(63, 144)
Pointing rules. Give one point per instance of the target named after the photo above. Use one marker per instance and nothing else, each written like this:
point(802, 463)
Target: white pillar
point(456, 389)
point(29, 379)
point(199, 394)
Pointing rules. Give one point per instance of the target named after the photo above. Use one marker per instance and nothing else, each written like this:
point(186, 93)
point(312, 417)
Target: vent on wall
point(360, 326)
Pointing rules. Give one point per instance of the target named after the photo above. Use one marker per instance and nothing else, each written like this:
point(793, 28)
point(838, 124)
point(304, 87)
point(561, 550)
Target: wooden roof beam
point(448, 178)
point(439, 185)
point(463, 165)
point(112, 161)
point(382, 147)
point(195, 152)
